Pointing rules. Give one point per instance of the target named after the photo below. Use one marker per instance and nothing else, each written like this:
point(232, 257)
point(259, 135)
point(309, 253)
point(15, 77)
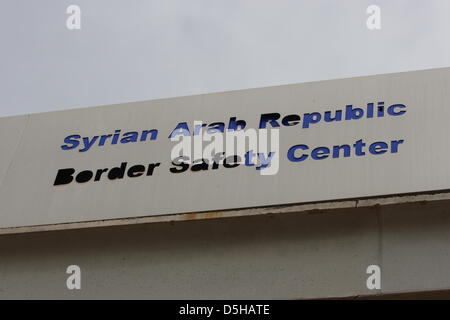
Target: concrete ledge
point(308, 208)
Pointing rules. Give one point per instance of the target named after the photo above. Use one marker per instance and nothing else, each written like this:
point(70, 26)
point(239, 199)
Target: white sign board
point(339, 139)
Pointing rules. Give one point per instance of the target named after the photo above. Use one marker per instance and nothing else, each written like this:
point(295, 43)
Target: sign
point(329, 140)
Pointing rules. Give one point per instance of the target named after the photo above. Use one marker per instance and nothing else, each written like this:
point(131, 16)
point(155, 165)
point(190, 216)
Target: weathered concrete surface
point(306, 208)
point(284, 255)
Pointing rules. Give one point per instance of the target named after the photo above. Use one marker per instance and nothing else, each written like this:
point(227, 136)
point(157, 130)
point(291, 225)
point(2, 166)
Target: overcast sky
point(130, 50)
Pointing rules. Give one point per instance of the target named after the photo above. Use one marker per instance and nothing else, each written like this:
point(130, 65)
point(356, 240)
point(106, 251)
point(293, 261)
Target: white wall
point(295, 255)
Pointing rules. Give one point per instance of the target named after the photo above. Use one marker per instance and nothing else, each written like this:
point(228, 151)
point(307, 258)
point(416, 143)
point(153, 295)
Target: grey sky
point(129, 50)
